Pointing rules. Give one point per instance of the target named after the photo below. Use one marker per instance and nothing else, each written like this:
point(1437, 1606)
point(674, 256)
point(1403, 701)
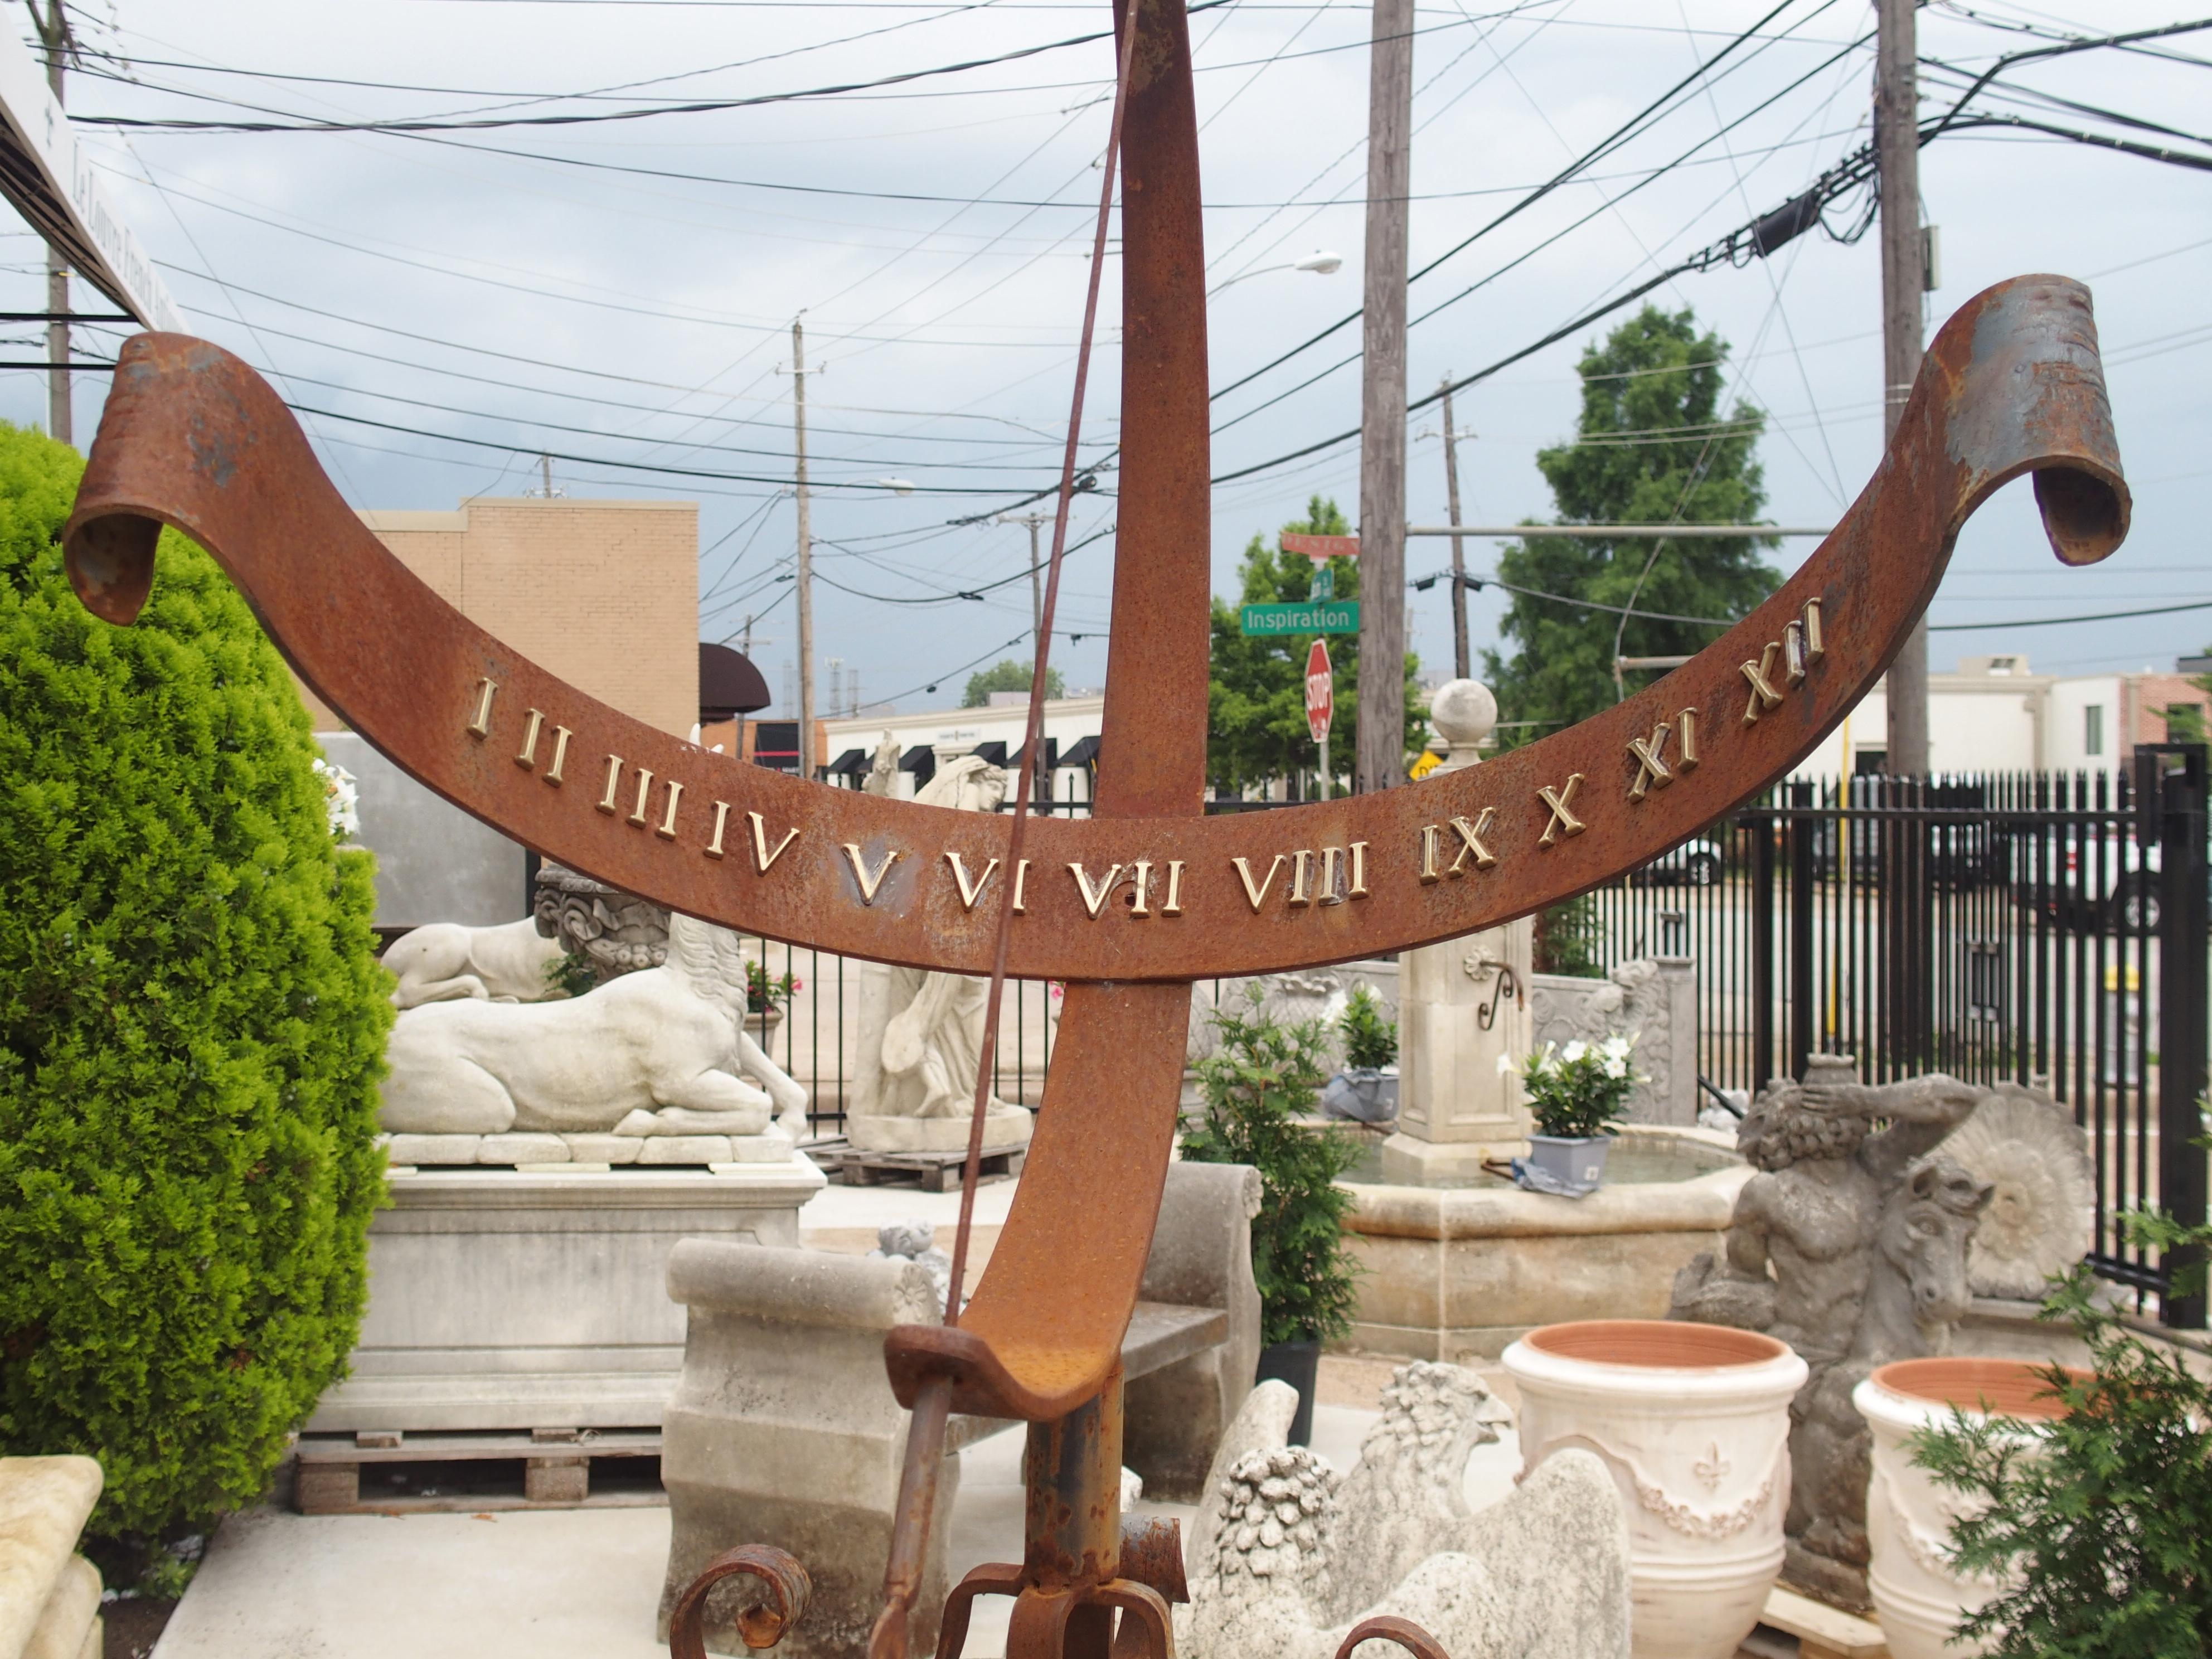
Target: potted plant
point(765, 997)
point(2091, 1529)
point(1578, 1095)
point(1366, 1090)
point(1692, 1421)
point(1253, 1091)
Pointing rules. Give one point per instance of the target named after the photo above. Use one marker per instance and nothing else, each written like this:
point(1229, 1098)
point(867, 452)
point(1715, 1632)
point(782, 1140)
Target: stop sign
point(1320, 696)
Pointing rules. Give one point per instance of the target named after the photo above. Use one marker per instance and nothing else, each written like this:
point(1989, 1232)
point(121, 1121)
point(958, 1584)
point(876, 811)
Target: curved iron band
point(1388, 1627)
point(193, 437)
point(785, 1583)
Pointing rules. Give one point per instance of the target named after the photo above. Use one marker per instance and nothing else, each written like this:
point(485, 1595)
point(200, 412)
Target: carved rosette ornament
point(1130, 906)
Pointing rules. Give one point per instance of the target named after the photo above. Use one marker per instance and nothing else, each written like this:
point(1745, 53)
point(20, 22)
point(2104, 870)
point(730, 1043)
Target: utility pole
point(1896, 158)
point(805, 554)
point(54, 36)
point(545, 471)
point(1379, 754)
point(1036, 580)
point(1460, 667)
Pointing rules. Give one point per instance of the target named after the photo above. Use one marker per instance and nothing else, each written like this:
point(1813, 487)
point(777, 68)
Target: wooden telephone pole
point(1897, 157)
point(805, 552)
point(54, 36)
point(1379, 754)
point(1461, 669)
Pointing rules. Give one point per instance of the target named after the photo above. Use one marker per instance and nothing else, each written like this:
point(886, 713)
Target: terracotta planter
point(1693, 1421)
point(1918, 1596)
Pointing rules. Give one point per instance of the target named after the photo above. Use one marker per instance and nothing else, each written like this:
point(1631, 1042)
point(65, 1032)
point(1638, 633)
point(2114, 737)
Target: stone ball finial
point(1463, 711)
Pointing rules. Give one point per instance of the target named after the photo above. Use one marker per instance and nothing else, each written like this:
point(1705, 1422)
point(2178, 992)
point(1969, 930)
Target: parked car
point(1695, 862)
point(2111, 881)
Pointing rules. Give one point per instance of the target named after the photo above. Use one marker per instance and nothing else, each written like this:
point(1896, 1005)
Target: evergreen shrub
point(1263, 1079)
point(191, 1029)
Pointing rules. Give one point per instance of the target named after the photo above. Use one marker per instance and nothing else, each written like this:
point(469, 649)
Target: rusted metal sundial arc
point(1146, 890)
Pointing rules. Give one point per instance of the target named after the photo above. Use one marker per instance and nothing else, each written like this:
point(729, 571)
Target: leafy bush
point(192, 1027)
point(1579, 1091)
point(1263, 1077)
point(2106, 1513)
point(1370, 1041)
point(1565, 939)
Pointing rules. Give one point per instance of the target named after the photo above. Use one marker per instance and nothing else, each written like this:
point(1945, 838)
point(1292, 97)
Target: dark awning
point(729, 684)
point(1085, 753)
point(921, 760)
point(993, 754)
point(849, 764)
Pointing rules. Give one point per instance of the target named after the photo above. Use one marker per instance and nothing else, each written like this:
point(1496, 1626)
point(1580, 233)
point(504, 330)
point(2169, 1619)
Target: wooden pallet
point(937, 1172)
point(445, 1473)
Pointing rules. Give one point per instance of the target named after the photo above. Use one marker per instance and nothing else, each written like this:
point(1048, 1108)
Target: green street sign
point(1331, 617)
point(1324, 584)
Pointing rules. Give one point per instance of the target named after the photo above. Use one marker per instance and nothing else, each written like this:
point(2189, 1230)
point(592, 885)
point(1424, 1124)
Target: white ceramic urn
point(1693, 1421)
point(1918, 1595)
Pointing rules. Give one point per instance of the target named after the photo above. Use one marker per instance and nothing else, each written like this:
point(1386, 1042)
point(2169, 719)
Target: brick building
point(605, 594)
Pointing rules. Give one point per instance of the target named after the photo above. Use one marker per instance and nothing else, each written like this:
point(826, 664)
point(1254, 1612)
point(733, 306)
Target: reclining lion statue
point(663, 1052)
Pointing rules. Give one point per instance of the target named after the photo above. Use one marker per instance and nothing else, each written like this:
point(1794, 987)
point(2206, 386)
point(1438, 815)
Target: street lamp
point(1322, 263)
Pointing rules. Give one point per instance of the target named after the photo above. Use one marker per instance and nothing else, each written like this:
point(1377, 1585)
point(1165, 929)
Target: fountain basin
point(1453, 1273)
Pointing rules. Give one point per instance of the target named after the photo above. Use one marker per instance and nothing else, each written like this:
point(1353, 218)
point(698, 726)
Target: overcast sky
point(935, 232)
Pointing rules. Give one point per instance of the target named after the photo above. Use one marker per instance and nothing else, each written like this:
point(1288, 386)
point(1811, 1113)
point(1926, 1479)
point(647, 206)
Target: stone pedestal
point(1005, 1129)
point(1462, 1006)
point(1454, 1106)
point(537, 1297)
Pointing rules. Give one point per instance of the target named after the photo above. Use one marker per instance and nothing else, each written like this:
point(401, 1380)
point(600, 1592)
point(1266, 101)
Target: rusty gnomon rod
point(1131, 904)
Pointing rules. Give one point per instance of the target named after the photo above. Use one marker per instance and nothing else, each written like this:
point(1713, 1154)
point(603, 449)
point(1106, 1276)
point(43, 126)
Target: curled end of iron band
point(110, 562)
point(786, 1591)
point(2085, 512)
point(1388, 1627)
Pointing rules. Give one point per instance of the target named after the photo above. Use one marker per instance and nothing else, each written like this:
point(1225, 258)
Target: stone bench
point(783, 1428)
point(49, 1593)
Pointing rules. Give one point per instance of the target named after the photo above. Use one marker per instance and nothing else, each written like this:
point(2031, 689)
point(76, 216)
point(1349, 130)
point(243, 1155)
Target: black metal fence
point(2042, 929)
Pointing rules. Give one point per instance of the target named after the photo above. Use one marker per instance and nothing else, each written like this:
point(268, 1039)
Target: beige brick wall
point(605, 594)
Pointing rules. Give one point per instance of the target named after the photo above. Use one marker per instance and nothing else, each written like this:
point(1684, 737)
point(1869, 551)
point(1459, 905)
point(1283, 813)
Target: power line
point(2060, 621)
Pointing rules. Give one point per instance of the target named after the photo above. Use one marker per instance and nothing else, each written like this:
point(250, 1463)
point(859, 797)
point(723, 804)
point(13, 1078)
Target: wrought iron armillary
point(1132, 903)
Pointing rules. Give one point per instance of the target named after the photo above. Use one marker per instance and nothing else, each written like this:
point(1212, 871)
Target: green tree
point(192, 1029)
point(1007, 675)
point(1257, 696)
point(1651, 447)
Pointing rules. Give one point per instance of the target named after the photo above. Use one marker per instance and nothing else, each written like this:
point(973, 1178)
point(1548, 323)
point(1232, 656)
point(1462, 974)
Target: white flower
point(1574, 1051)
point(1616, 1067)
point(1616, 1048)
point(341, 799)
point(1505, 1066)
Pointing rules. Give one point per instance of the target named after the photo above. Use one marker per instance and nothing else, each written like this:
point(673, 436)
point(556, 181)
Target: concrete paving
point(550, 1584)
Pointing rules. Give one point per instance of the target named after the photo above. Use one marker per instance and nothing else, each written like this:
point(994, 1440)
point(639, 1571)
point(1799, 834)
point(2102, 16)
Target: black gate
point(2041, 928)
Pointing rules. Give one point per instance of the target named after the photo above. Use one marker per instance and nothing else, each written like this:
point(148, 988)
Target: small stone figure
point(882, 768)
point(446, 961)
point(662, 1053)
point(921, 1033)
point(915, 1241)
point(1850, 1245)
